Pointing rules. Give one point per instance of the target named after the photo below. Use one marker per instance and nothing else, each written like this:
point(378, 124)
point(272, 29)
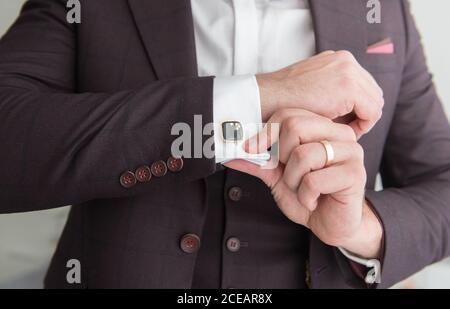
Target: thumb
point(271, 131)
point(264, 139)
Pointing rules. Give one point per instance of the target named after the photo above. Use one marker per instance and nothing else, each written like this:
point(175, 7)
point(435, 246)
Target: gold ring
point(330, 152)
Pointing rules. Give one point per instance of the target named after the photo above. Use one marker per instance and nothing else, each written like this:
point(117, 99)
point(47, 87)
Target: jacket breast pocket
point(381, 63)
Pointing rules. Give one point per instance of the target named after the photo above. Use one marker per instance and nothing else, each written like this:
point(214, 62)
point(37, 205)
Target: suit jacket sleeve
point(59, 147)
point(415, 203)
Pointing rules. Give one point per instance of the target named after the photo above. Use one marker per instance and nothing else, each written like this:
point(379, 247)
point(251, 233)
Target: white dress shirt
point(236, 39)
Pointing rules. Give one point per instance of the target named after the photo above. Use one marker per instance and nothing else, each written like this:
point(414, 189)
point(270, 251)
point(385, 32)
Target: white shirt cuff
point(374, 274)
point(236, 99)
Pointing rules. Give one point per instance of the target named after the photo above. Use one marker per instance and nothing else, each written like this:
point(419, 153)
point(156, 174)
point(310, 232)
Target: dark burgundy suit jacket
point(80, 104)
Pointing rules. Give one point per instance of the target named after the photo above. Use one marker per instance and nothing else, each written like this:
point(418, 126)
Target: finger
point(311, 157)
point(307, 129)
point(324, 53)
point(349, 62)
point(339, 180)
point(371, 80)
point(361, 94)
point(269, 135)
point(367, 111)
point(289, 205)
point(368, 108)
point(375, 97)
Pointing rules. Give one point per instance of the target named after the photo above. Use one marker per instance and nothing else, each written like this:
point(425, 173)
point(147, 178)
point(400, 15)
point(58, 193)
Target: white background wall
point(8, 12)
point(27, 240)
point(433, 19)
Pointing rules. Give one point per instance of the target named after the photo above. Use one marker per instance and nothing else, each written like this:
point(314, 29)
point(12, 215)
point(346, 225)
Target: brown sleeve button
point(159, 168)
point(128, 180)
point(143, 174)
point(233, 244)
point(175, 164)
point(235, 194)
point(190, 243)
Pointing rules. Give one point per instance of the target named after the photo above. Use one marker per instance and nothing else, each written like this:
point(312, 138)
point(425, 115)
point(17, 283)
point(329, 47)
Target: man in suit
point(86, 117)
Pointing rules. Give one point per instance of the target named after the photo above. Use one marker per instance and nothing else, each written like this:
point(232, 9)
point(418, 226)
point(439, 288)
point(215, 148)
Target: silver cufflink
point(232, 131)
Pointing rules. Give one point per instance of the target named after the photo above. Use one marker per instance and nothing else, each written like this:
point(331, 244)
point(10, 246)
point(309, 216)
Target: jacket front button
point(143, 174)
point(233, 244)
point(128, 180)
point(235, 194)
point(159, 168)
point(190, 243)
point(175, 164)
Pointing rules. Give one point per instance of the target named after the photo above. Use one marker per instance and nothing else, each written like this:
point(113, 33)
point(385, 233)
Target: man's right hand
point(331, 84)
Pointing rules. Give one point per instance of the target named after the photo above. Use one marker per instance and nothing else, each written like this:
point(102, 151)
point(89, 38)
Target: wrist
point(268, 95)
point(367, 241)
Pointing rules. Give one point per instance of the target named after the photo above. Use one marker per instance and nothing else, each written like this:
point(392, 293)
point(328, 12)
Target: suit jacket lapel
point(340, 25)
point(167, 31)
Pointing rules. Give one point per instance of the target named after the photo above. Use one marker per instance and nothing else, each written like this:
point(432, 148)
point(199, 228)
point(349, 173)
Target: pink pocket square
point(383, 47)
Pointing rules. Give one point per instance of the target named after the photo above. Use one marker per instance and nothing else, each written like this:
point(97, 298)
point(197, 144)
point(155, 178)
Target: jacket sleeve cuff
point(397, 244)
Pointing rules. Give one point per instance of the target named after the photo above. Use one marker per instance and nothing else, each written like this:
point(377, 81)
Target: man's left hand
point(326, 198)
